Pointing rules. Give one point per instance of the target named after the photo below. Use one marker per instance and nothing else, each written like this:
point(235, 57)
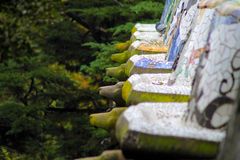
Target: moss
point(128, 69)
point(170, 145)
point(126, 90)
point(106, 120)
point(124, 56)
point(140, 143)
point(133, 97)
point(121, 47)
point(121, 129)
point(134, 29)
point(137, 97)
point(181, 145)
point(120, 57)
point(117, 72)
point(135, 52)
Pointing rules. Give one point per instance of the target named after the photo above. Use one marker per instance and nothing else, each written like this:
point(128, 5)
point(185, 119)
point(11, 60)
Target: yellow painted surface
point(133, 97)
point(117, 72)
point(134, 29)
point(153, 48)
point(123, 46)
point(106, 120)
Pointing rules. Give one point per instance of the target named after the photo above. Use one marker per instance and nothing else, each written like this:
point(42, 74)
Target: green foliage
point(110, 24)
point(124, 29)
point(53, 56)
point(96, 69)
point(146, 8)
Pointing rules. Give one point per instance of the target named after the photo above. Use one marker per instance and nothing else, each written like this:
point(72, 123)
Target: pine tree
point(53, 56)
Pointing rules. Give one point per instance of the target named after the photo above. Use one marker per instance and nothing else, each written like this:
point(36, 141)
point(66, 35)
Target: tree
point(53, 56)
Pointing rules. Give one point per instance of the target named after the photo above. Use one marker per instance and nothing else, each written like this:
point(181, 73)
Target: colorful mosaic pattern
point(180, 127)
point(157, 45)
point(149, 63)
point(193, 49)
point(161, 26)
point(218, 75)
point(183, 25)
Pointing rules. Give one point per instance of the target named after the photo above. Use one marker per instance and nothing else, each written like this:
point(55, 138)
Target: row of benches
point(181, 80)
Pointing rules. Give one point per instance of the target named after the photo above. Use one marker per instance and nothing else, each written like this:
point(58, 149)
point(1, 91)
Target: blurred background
point(53, 56)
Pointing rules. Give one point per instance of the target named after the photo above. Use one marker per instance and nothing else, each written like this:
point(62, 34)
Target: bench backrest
point(195, 46)
point(218, 74)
